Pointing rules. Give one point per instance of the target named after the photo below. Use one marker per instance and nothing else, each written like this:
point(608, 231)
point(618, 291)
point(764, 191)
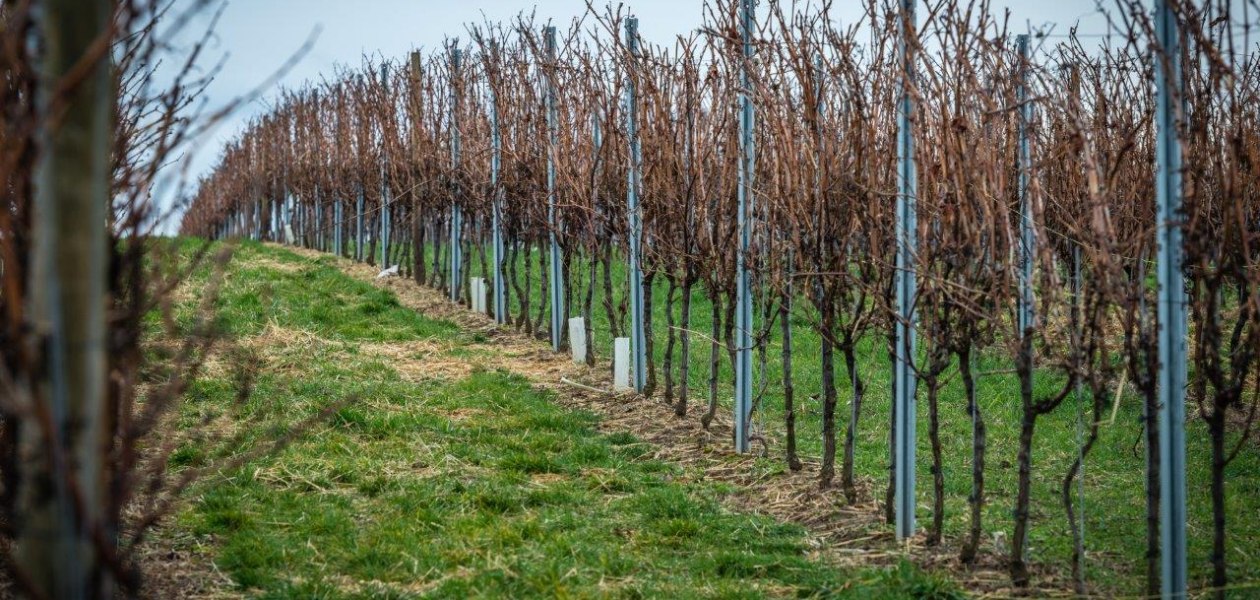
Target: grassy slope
point(475, 487)
point(1114, 480)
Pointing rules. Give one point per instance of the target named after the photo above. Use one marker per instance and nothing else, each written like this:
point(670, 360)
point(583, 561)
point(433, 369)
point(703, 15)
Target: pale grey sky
point(255, 38)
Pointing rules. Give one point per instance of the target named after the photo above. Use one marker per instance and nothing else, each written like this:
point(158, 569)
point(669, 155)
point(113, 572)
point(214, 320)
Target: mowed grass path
point(1114, 480)
point(476, 487)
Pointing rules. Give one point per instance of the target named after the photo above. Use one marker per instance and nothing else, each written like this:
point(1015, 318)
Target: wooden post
point(66, 306)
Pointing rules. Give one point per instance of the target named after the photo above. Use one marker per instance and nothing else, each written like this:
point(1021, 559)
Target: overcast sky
point(256, 38)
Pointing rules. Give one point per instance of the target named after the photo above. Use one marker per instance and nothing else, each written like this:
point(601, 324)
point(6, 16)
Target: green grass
point(1114, 480)
point(479, 487)
point(317, 298)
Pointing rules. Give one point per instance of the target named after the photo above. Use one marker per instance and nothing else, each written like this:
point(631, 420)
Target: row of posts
point(1171, 292)
point(1171, 315)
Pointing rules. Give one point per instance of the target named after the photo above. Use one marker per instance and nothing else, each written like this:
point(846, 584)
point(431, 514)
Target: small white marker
point(621, 364)
point(477, 291)
point(577, 339)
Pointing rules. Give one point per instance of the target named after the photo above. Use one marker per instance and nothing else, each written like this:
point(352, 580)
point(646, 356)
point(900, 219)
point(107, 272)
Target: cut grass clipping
point(475, 486)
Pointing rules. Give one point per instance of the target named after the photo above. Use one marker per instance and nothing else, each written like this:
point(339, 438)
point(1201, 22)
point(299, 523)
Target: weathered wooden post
point(63, 476)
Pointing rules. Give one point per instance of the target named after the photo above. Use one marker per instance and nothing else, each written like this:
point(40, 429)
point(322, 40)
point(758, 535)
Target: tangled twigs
point(1055, 150)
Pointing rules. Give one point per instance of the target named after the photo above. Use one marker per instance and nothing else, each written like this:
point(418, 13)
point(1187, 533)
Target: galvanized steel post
point(496, 150)
point(338, 225)
point(358, 236)
point(743, 298)
point(638, 336)
point(319, 222)
point(557, 279)
point(1027, 243)
point(286, 217)
point(905, 283)
point(384, 178)
point(457, 215)
point(1172, 305)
